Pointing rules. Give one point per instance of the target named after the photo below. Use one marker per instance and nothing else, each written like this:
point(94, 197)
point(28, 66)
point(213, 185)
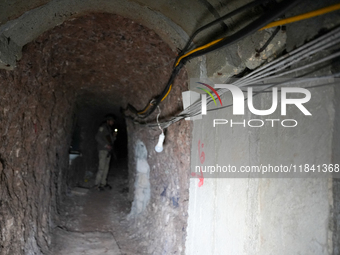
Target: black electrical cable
point(175, 71)
point(160, 97)
point(277, 29)
point(217, 21)
point(182, 116)
point(214, 12)
point(280, 9)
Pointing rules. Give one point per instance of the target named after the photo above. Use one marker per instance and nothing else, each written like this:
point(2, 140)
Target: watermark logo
point(239, 99)
point(204, 97)
point(242, 98)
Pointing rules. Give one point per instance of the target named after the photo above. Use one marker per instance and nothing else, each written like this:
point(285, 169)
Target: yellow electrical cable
point(167, 93)
point(146, 108)
point(141, 112)
point(197, 49)
point(274, 24)
point(307, 15)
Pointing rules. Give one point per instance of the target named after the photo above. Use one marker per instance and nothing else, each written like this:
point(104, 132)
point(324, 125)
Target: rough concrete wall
point(335, 224)
point(35, 122)
point(12, 9)
point(265, 216)
point(258, 216)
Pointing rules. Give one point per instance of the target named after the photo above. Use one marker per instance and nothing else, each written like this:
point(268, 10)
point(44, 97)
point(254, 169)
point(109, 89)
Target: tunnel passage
point(71, 76)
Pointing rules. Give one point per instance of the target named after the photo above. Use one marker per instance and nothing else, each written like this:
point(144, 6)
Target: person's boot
point(108, 186)
point(99, 188)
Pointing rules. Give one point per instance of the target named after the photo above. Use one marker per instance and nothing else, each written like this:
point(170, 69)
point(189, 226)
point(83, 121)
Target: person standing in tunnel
point(105, 138)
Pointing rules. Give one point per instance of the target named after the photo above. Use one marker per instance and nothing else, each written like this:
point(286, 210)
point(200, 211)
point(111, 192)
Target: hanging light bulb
point(159, 146)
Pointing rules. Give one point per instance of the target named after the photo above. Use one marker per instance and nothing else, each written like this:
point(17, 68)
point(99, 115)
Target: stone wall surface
point(166, 212)
point(76, 73)
point(35, 125)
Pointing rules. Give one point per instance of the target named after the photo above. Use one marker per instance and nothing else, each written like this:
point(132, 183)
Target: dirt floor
point(95, 222)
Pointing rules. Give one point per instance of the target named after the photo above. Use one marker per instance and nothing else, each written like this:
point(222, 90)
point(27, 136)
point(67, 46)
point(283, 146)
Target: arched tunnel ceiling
point(110, 61)
point(21, 22)
point(178, 11)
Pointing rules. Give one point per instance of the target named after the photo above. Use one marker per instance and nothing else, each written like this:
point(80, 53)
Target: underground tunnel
point(65, 65)
point(74, 75)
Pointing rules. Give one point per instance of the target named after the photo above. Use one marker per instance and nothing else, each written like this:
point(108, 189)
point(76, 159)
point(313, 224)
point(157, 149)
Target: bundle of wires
point(283, 67)
point(186, 55)
point(258, 24)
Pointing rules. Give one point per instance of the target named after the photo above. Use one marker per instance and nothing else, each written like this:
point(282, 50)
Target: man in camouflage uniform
point(105, 138)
